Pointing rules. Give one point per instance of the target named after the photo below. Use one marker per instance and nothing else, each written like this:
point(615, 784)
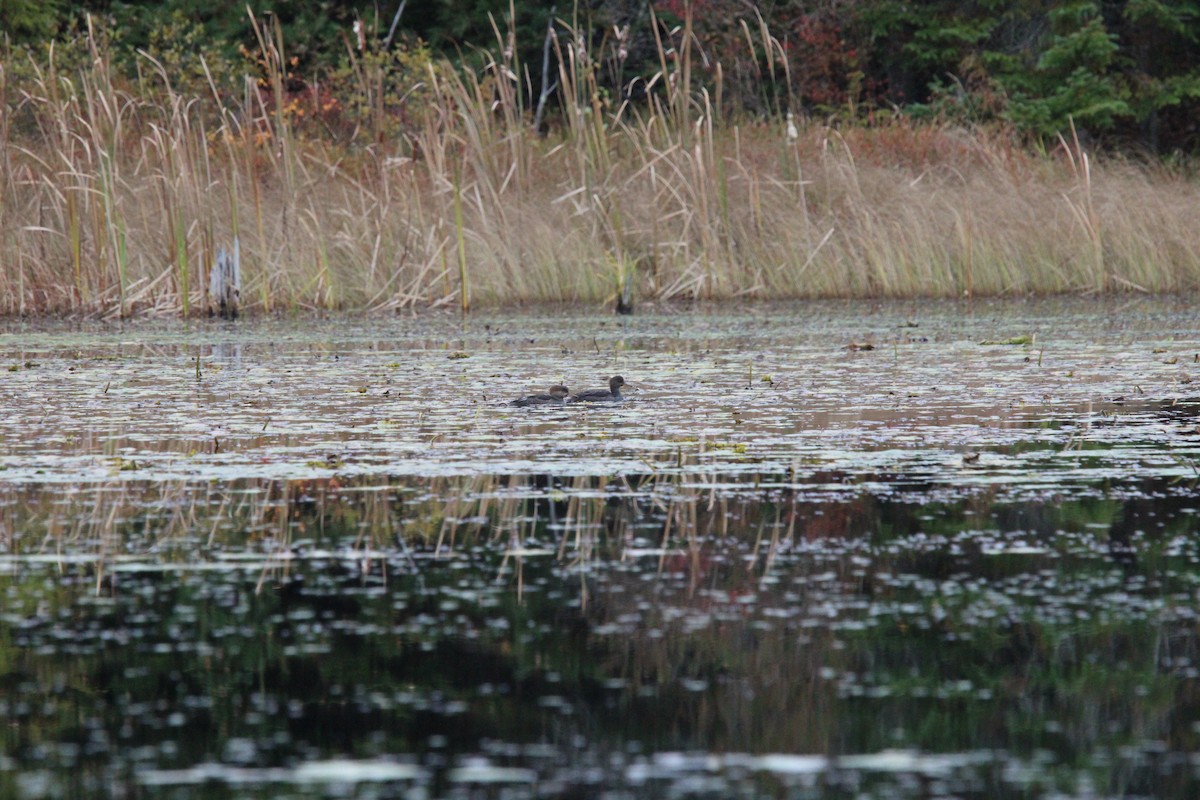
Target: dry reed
point(114, 199)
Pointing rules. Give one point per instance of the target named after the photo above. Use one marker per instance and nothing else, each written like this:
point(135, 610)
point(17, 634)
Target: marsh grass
point(116, 194)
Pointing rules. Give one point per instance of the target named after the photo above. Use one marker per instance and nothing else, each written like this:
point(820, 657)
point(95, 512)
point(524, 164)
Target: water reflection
point(438, 632)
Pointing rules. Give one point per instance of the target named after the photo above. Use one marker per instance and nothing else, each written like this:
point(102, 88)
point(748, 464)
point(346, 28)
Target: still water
point(821, 551)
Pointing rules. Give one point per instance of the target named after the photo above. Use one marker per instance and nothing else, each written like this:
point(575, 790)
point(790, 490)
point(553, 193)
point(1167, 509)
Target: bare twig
point(547, 90)
point(387, 43)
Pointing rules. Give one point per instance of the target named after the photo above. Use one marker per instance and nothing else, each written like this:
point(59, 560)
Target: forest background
point(593, 150)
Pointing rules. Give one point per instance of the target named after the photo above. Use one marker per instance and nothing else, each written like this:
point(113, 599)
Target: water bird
point(556, 396)
point(610, 395)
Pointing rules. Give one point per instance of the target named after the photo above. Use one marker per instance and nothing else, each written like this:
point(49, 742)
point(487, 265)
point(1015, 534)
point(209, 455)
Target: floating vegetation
point(937, 570)
point(1013, 340)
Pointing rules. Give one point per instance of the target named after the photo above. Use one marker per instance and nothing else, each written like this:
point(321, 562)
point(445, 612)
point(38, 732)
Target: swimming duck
point(610, 395)
point(558, 395)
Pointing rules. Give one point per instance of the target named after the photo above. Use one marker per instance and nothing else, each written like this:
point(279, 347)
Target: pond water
point(821, 551)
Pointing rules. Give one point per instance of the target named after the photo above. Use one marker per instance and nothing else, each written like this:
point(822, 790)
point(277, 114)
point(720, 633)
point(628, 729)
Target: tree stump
point(225, 283)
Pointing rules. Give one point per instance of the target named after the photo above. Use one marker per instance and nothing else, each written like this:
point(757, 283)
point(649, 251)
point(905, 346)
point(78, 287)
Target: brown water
point(322, 558)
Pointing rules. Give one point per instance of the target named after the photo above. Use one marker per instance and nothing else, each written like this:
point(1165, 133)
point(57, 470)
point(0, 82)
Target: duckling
point(557, 396)
point(610, 395)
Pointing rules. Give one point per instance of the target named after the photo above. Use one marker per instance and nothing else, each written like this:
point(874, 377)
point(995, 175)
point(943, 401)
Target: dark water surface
point(322, 559)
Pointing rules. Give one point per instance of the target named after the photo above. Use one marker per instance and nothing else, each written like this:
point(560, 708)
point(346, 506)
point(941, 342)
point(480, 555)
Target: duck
point(556, 396)
point(610, 395)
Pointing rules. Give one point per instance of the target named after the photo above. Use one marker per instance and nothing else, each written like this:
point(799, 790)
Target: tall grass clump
point(407, 183)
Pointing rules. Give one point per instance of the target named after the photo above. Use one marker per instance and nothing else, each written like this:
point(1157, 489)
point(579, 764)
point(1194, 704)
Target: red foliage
point(822, 63)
